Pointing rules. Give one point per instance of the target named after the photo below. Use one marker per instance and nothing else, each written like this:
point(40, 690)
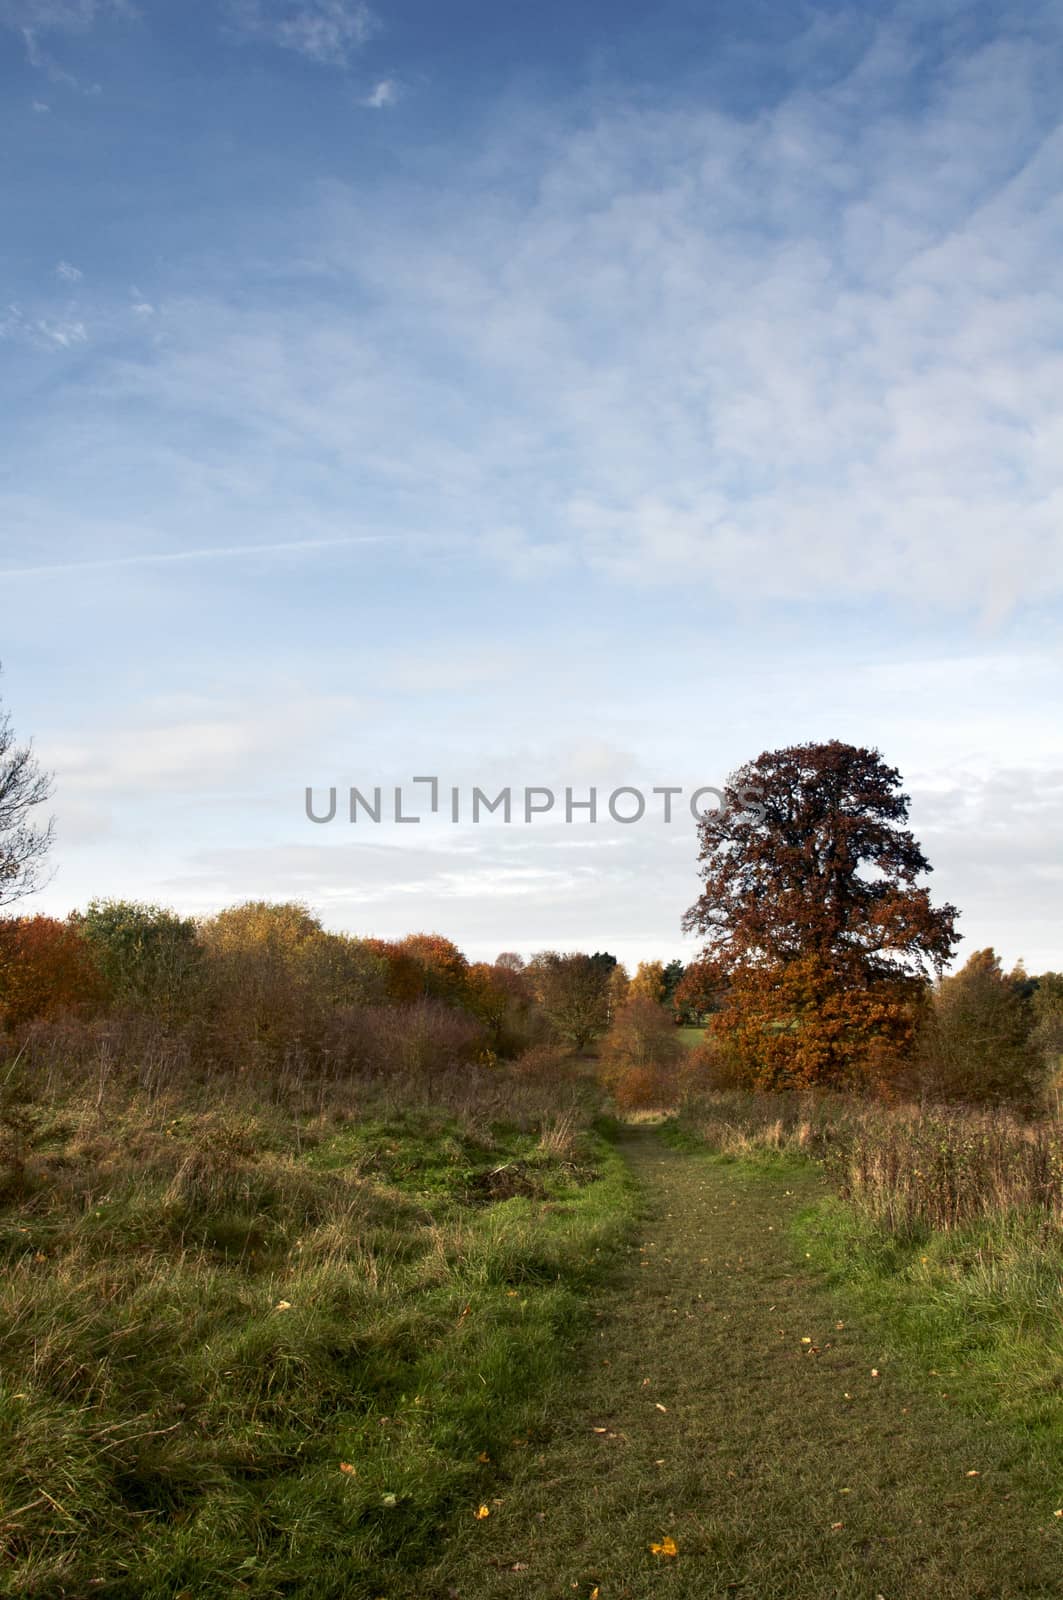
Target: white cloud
point(325, 31)
point(68, 272)
point(62, 16)
point(812, 356)
point(41, 106)
point(384, 93)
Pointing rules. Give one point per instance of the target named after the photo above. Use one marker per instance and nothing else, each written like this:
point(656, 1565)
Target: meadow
point(314, 1248)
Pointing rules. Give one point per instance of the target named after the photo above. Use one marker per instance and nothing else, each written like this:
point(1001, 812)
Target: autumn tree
point(978, 1041)
point(640, 1054)
point(617, 989)
point(443, 966)
point(501, 998)
point(648, 982)
point(697, 992)
point(276, 979)
point(814, 918)
point(46, 971)
point(573, 993)
point(24, 841)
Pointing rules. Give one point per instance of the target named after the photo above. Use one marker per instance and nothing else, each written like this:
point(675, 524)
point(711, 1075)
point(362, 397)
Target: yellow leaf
point(483, 1456)
point(345, 1466)
point(659, 1406)
point(484, 1511)
point(667, 1547)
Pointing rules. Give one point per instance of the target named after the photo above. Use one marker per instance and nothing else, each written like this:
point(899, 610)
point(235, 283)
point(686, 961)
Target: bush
point(147, 956)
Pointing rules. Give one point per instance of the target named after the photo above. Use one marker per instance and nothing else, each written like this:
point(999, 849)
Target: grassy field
point(242, 1356)
point(691, 1037)
point(405, 1350)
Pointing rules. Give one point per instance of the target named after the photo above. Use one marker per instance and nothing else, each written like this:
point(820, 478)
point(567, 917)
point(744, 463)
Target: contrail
point(210, 553)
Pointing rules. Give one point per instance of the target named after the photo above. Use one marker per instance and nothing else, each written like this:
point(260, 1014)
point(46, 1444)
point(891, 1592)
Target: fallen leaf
point(659, 1406)
point(483, 1456)
point(283, 1305)
point(667, 1547)
point(345, 1466)
point(974, 1473)
point(483, 1511)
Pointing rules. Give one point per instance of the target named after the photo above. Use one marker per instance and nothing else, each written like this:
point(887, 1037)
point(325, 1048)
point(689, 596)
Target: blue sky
point(549, 395)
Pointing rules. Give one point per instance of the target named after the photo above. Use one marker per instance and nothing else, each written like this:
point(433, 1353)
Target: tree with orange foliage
point(640, 1055)
point(501, 997)
point(696, 993)
point(444, 967)
point(423, 966)
point(46, 970)
point(817, 929)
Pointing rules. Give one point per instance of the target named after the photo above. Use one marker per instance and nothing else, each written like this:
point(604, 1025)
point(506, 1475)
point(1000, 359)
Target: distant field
point(691, 1036)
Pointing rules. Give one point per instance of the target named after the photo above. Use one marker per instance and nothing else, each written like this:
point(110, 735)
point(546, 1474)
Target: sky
point(584, 397)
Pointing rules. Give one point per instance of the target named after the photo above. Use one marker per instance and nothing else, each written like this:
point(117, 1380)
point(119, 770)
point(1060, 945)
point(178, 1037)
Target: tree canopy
point(816, 927)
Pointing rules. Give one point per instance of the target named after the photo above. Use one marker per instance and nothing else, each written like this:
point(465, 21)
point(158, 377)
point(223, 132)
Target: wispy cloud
point(62, 16)
point(326, 31)
point(810, 356)
point(383, 94)
point(209, 553)
point(60, 333)
point(68, 272)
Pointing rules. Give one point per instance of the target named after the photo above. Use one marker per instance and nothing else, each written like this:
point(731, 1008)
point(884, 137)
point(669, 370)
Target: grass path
point(726, 1401)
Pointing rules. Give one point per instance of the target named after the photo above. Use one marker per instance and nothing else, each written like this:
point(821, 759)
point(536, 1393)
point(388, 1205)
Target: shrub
point(148, 957)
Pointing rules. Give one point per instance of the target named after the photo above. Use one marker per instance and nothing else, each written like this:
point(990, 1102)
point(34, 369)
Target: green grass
point(691, 1037)
point(734, 1402)
point(606, 1337)
point(977, 1311)
point(201, 1320)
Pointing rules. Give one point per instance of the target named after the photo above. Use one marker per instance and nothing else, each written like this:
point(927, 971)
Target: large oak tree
point(817, 929)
